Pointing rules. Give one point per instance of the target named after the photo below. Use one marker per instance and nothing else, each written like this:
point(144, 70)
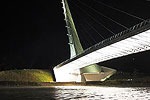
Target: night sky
point(33, 33)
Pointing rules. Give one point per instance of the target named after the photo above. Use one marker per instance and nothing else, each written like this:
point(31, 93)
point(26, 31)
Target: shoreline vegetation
point(25, 76)
point(37, 77)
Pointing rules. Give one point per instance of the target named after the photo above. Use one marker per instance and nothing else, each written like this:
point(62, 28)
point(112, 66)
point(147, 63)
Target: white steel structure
point(82, 65)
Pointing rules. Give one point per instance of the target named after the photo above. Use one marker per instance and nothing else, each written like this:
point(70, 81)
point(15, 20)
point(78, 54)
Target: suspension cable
point(95, 20)
point(103, 14)
point(120, 10)
point(85, 37)
point(89, 34)
point(94, 30)
point(91, 26)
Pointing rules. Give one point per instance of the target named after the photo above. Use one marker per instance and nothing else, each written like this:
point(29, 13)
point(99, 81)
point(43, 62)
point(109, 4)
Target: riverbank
point(44, 78)
point(110, 83)
point(26, 75)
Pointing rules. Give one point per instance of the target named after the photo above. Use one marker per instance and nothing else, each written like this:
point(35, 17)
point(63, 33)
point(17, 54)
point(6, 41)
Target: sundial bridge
point(82, 67)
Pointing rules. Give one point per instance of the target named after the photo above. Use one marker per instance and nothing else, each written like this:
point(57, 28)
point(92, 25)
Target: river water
point(74, 93)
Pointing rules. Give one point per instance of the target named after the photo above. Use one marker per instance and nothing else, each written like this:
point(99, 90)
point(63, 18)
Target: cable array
point(86, 11)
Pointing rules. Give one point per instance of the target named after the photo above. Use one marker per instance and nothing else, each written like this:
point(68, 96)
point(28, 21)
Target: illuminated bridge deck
point(133, 40)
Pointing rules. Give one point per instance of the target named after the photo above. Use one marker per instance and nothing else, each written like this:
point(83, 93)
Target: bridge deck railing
point(138, 28)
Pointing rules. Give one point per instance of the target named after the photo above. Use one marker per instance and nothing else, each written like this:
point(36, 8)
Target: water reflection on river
point(75, 92)
point(105, 93)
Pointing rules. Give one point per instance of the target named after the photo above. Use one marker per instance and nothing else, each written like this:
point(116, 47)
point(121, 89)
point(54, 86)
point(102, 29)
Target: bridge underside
point(89, 73)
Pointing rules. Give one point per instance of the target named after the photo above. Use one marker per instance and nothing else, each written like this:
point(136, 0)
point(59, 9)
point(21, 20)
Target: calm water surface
point(75, 93)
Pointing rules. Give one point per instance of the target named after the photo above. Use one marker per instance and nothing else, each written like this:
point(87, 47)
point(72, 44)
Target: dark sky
point(33, 33)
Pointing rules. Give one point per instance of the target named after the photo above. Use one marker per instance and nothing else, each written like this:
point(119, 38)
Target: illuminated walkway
point(135, 40)
point(82, 64)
